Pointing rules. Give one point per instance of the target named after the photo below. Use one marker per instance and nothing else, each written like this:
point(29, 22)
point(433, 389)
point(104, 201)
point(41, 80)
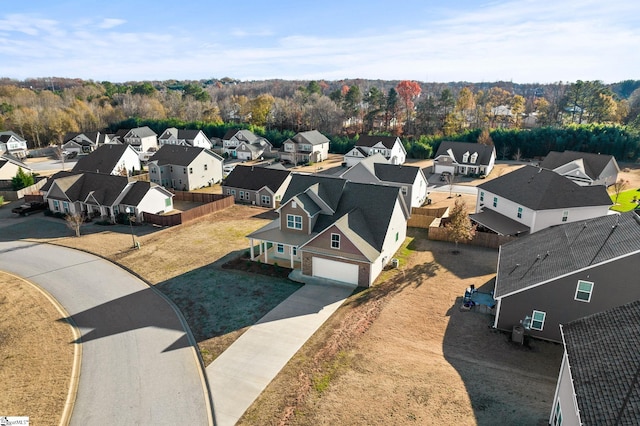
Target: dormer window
point(465, 157)
point(474, 158)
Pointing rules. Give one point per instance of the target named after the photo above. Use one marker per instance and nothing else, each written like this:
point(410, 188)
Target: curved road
point(137, 364)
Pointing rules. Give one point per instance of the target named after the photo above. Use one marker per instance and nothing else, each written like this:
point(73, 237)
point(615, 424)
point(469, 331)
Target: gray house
point(261, 186)
point(464, 158)
point(582, 167)
point(185, 167)
point(567, 272)
point(597, 383)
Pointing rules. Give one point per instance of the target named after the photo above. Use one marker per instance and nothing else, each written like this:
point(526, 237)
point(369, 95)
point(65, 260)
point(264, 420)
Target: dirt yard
point(404, 353)
point(35, 354)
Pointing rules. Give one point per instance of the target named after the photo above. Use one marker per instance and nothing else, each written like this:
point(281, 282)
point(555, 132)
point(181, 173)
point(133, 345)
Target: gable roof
point(396, 173)
point(179, 155)
point(241, 134)
point(563, 249)
point(7, 134)
point(186, 134)
point(485, 152)
point(103, 160)
point(312, 137)
point(602, 350)
point(594, 164)
point(542, 189)
point(136, 192)
point(104, 188)
point(329, 189)
point(141, 132)
point(255, 178)
point(370, 141)
point(8, 158)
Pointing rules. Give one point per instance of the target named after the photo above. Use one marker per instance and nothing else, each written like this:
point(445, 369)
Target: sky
point(524, 41)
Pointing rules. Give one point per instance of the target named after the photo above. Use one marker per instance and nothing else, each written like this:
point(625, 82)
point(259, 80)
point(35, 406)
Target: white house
point(111, 159)
point(9, 167)
point(390, 147)
point(184, 137)
point(142, 139)
point(13, 144)
point(464, 158)
point(305, 147)
point(245, 145)
point(582, 167)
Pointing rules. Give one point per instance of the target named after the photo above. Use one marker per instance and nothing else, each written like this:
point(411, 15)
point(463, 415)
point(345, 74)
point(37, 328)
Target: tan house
point(305, 147)
point(256, 185)
point(9, 167)
point(185, 167)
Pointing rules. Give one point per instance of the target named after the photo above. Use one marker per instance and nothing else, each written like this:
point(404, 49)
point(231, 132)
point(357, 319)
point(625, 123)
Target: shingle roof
point(104, 188)
point(103, 160)
point(369, 141)
point(6, 135)
point(142, 132)
point(312, 137)
point(602, 350)
point(562, 249)
point(396, 173)
point(254, 178)
point(542, 189)
point(136, 192)
point(329, 189)
point(242, 135)
point(594, 164)
point(178, 155)
point(186, 134)
point(460, 148)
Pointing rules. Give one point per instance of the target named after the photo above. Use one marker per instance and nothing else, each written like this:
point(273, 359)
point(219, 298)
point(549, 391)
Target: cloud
point(109, 23)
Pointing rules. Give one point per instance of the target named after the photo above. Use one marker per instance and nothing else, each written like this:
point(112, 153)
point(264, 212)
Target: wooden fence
point(423, 217)
point(214, 203)
point(482, 239)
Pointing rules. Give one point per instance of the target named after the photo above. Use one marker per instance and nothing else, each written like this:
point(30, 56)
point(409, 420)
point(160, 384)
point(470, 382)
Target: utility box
point(517, 334)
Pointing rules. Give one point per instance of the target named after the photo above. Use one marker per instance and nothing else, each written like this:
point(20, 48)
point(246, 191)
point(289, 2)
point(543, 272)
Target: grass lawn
point(625, 200)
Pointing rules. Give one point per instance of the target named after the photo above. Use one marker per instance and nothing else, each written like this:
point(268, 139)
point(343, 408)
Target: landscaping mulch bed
point(243, 263)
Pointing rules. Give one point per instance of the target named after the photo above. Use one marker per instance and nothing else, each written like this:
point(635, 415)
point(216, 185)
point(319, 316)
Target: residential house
point(110, 159)
point(566, 272)
point(334, 229)
point(105, 196)
point(244, 145)
point(530, 199)
point(261, 186)
point(184, 137)
point(582, 167)
point(390, 147)
point(84, 142)
point(13, 144)
point(9, 167)
point(305, 147)
point(376, 169)
point(184, 167)
point(597, 383)
point(464, 158)
point(142, 139)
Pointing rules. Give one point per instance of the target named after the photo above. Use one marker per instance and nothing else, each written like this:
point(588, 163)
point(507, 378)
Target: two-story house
point(390, 147)
point(13, 144)
point(335, 229)
point(185, 167)
point(464, 158)
point(84, 142)
point(245, 145)
point(530, 199)
point(113, 159)
point(142, 139)
point(260, 186)
point(567, 272)
point(184, 137)
point(582, 167)
point(305, 147)
point(9, 167)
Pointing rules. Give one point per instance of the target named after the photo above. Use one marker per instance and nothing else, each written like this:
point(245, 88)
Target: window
point(65, 206)
point(294, 251)
point(242, 195)
point(404, 190)
point(465, 157)
point(233, 192)
point(397, 235)
point(171, 169)
point(495, 201)
point(565, 215)
point(190, 170)
point(56, 205)
point(474, 157)
point(184, 170)
point(280, 248)
point(537, 320)
point(265, 199)
point(294, 221)
point(206, 167)
point(228, 191)
point(557, 415)
point(482, 196)
point(167, 202)
point(583, 291)
point(335, 241)
point(519, 212)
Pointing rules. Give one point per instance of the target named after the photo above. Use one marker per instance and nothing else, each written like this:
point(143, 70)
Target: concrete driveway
point(138, 366)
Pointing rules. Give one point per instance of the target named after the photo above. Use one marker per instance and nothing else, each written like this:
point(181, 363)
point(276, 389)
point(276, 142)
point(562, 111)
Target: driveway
point(138, 366)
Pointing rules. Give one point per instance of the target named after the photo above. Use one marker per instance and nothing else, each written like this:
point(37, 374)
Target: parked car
point(28, 208)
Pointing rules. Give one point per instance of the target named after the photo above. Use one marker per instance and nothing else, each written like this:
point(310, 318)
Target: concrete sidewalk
point(243, 371)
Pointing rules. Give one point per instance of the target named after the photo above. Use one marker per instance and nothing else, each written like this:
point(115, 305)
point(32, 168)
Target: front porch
point(275, 253)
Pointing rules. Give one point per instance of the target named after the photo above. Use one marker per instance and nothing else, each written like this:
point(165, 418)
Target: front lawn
point(626, 200)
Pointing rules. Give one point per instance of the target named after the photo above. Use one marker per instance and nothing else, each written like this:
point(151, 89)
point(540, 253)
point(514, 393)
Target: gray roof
point(329, 189)
point(103, 160)
point(141, 132)
point(78, 186)
point(312, 137)
point(179, 155)
point(460, 148)
point(498, 223)
point(594, 164)
point(241, 134)
point(602, 350)
point(6, 135)
point(369, 141)
point(136, 192)
point(8, 158)
point(396, 173)
point(542, 189)
point(254, 178)
point(563, 249)
point(186, 134)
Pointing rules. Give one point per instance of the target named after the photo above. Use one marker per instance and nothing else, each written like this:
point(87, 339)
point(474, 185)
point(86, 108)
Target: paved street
point(137, 364)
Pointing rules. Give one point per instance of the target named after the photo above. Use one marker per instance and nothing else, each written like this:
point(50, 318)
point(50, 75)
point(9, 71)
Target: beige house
point(305, 147)
point(9, 167)
point(184, 167)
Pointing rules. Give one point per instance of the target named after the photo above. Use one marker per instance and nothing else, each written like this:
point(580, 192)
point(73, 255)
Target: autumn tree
point(619, 187)
point(260, 108)
point(74, 221)
point(459, 226)
point(408, 91)
point(485, 138)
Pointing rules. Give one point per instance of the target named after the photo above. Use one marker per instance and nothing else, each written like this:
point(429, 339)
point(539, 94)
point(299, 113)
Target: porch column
point(251, 248)
point(266, 254)
point(291, 255)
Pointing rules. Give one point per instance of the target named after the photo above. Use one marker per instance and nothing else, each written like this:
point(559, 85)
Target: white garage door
point(333, 270)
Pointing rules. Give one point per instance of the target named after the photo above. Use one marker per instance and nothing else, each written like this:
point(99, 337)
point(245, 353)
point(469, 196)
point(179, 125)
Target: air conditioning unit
point(253, 203)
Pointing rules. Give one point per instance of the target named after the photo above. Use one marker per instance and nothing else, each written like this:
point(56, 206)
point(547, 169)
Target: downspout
point(495, 320)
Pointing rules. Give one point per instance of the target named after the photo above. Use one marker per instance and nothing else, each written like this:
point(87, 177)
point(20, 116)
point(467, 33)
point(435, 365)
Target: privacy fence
point(213, 203)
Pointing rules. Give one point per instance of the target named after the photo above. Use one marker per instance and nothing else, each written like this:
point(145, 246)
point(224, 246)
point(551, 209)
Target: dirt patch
point(36, 355)
point(404, 353)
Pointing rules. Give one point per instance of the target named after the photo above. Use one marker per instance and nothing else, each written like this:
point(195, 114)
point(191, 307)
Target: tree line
point(524, 120)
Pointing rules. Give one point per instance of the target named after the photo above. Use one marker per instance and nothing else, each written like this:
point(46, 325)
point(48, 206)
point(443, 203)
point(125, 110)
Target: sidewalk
point(243, 371)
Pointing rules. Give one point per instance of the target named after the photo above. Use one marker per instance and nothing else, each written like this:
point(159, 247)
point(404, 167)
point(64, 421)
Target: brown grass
point(35, 354)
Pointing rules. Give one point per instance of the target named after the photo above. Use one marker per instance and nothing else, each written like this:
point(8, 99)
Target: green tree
point(145, 88)
point(21, 180)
